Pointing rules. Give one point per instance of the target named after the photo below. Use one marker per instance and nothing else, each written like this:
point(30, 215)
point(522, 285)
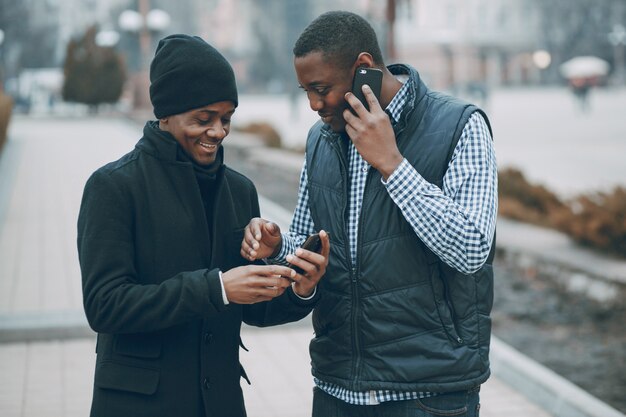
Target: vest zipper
point(353, 269)
point(356, 340)
point(355, 288)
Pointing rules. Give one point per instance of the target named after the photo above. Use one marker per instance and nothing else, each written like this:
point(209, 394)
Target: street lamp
point(617, 38)
point(542, 59)
point(107, 38)
point(143, 23)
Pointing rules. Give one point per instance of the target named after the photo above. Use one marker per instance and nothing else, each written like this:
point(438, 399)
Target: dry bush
point(596, 220)
point(265, 131)
point(6, 107)
point(521, 200)
point(599, 220)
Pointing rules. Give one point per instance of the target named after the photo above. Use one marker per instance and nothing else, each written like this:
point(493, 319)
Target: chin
point(338, 127)
point(204, 161)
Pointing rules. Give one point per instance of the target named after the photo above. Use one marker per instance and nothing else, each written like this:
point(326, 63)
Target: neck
point(390, 86)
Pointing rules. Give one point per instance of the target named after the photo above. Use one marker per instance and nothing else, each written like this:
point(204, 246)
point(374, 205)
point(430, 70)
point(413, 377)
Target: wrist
point(390, 166)
point(308, 296)
point(277, 249)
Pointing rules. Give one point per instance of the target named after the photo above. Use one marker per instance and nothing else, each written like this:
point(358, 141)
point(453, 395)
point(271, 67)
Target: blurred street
point(47, 368)
point(542, 132)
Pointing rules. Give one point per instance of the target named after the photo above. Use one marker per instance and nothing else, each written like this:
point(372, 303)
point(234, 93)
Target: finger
point(268, 293)
point(356, 104)
point(351, 131)
point(246, 251)
point(252, 234)
point(273, 271)
point(299, 261)
point(372, 101)
point(259, 298)
point(272, 228)
point(350, 121)
point(317, 259)
point(325, 252)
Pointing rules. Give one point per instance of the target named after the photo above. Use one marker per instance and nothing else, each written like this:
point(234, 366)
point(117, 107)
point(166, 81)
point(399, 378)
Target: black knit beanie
point(187, 73)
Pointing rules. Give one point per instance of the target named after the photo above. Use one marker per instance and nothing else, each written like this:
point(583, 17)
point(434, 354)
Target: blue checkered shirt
point(457, 222)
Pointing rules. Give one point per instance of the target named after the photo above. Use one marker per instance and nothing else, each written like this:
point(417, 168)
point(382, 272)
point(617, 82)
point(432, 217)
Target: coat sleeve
point(284, 309)
point(113, 298)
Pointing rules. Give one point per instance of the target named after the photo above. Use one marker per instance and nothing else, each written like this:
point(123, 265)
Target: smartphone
point(370, 76)
point(312, 243)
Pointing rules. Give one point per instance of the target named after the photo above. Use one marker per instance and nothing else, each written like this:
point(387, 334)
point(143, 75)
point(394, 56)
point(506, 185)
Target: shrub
point(596, 220)
point(265, 131)
point(6, 107)
point(599, 220)
point(521, 200)
point(93, 74)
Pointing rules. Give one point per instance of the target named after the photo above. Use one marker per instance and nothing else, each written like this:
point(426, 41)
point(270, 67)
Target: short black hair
point(341, 36)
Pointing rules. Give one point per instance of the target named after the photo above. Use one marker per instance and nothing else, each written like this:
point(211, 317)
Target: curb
point(64, 325)
point(542, 386)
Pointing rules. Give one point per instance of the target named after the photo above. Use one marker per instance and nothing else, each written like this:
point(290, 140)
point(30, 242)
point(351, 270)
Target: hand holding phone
point(312, 243)
point(370, 76)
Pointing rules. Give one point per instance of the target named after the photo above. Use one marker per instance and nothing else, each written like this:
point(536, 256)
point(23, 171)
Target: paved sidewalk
point(54, 378)
point(42, 173)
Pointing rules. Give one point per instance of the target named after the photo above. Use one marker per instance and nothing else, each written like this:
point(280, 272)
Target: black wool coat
point(167, 344)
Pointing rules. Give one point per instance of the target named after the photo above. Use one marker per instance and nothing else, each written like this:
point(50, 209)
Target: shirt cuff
point(310, 297)
point(224, 298)
point(403, 183)
point(288, 246)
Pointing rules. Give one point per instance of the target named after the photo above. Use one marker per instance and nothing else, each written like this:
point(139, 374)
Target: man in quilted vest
point(408, 192)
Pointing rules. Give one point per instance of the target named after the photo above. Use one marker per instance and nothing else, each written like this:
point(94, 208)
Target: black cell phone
point(312, 243)
point(370, 76)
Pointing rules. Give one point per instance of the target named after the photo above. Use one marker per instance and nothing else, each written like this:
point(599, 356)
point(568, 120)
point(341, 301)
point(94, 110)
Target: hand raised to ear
point(372, 133)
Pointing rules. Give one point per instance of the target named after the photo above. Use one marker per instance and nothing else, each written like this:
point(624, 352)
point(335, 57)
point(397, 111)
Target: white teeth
point(207, 145)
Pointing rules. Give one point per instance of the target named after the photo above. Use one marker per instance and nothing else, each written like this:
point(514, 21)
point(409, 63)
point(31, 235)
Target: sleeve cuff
point(403, 183)
point(224, 298)
point(310, 297)
point(288, 246)
point(216, 289)
point(304, 302)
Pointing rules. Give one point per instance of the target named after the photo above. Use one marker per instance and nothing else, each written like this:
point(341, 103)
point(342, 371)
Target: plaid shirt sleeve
point(301, 224)
point(458, 222)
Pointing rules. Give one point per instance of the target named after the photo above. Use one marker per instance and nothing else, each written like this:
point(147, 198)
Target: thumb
point(272, 228)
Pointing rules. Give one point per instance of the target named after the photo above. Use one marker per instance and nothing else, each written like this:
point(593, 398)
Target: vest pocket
point(444, 307)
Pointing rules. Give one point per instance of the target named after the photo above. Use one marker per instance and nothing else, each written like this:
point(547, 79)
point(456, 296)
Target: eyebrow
point(313, 84)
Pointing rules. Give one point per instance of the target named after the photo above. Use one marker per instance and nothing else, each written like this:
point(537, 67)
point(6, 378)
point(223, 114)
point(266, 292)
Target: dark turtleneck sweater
point(207, 177)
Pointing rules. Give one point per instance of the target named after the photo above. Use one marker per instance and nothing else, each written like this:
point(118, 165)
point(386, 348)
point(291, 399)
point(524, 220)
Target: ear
point(163, 123)
point(364, 60)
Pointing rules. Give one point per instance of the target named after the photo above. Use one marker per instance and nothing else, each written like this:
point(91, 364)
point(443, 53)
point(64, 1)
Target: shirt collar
point(395, 107)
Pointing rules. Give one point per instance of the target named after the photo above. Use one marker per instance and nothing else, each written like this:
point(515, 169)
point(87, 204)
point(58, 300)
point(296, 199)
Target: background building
point(462, 46)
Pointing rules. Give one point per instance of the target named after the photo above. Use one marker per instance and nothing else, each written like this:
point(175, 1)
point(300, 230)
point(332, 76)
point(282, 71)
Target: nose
point(217, 131)
point(315, 102)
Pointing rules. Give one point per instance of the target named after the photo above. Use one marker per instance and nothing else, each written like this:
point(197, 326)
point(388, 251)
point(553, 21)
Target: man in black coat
point(159, 234)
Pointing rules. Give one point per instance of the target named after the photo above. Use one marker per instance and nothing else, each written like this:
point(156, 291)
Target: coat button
point(208, 338)
point(206, 383)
